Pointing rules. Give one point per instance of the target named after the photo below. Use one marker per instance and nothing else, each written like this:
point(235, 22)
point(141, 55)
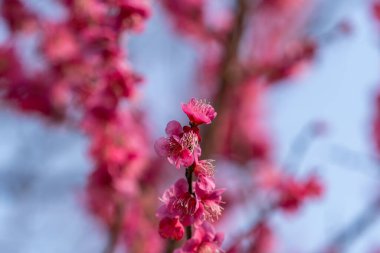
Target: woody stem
point(229, 72)
point(189, 177)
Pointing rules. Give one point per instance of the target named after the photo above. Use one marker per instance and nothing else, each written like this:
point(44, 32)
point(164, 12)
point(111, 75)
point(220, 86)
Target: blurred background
point(44, 167)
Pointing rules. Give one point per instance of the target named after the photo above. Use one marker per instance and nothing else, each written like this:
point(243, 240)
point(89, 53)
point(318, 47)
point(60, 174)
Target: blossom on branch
point(180, 147)
point(199, 112)
point(187, 203)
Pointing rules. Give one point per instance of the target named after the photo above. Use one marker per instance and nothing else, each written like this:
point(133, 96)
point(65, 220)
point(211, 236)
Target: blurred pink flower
point(263, 238)
point(293, 193)
point(17, 16)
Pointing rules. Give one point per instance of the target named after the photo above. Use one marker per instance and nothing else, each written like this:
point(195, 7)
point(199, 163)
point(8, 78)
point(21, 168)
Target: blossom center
point(201, 106)
point(212, 211)
point(186, 204)
point(189, 140)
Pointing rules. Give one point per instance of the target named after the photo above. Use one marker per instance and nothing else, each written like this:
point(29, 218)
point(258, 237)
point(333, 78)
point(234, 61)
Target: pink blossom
point(132, 13)
point(122, 80)
point(179, 202)
point(121, 157)
point(59, 44)
point(281, 4)
point(101, 42)
point(171, 228)
point(210, 198)
point(180, 148)
point(37, 95)
point(103, 105)
point(263, 238)
point(188, 16)
point(313, 187)
point(199, 112)
point(204, 240)
point(10, 66)
point(99, 192)
point(376, 10)
point(293, 193)
point(205, 168)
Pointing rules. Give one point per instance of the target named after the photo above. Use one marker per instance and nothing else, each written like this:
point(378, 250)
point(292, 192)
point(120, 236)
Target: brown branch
point(170, 246)
point(189, 232)
point(189, 178)
point(115, 228)
point(229, 74)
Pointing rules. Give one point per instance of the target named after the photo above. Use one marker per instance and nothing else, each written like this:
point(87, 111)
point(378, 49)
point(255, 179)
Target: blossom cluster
point(80, 76)
point(187, 203)
point(245, 50)
point(293, 193)
point(82, 62)
point(273, 52)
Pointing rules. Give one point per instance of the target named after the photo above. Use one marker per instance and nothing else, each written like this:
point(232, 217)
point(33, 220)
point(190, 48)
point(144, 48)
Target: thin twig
point(170, 246)
point(228, 74)
point(343, 239)
point(189, 177)
point(300, 147)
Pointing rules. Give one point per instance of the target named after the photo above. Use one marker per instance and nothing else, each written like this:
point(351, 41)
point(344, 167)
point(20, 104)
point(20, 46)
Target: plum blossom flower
point(204, 240)
point(178, 202)
point(209, 197)
point(205, 168)
point(181, 148)
point(199, 112)
point(189, 204)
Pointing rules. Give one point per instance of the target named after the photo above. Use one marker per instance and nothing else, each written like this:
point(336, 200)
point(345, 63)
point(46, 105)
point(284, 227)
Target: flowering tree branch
point(85, 78)
point(187, 203)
